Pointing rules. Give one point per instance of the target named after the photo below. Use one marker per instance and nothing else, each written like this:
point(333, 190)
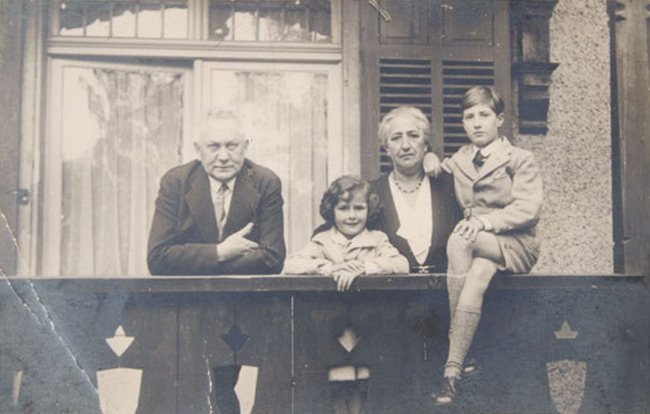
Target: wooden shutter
point(403, 82)
point(427, 56)
point(457, 77)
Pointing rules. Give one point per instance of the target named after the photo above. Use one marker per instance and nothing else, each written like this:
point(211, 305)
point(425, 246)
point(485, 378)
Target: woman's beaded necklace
point(406, 190)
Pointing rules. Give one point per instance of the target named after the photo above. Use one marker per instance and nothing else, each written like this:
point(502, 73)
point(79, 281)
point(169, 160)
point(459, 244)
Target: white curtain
point(286, 116)
point(121, 130)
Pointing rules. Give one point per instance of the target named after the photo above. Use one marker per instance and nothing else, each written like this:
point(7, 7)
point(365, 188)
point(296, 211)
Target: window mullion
point(162, 19)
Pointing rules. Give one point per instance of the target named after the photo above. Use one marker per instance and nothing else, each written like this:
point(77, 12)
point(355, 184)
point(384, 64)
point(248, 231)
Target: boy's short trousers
point(520, 251)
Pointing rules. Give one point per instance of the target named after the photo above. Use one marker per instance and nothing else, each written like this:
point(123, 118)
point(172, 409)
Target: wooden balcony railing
point(293, 344)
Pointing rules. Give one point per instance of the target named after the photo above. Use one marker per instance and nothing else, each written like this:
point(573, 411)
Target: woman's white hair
point(412, 112)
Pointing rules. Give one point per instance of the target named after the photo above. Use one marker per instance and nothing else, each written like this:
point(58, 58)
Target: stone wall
point(575, 154)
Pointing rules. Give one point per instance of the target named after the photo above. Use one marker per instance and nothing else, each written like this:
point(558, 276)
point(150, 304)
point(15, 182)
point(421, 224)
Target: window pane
point(150, 20)
point(320, 23)
point(119, 131)
point(245, 21)
point(124, 18)
point(289, 21)
point(85, 18)
point(286, 115)
point(175, 20)
point(71, 19)
point(98, 19)
point(270, 22)
point(295, 24)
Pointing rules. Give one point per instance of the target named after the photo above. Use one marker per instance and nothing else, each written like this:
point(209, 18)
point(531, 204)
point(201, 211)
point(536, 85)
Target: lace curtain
point(285, 113)
point(117, 131)
point(121, 130)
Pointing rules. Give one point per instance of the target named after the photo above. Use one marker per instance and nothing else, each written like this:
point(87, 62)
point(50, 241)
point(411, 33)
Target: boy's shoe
point(470, 368)
point(447, 392)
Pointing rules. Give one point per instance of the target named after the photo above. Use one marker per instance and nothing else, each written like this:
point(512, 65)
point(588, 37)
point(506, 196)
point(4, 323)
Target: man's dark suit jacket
point(445, 215)
point(184, 233)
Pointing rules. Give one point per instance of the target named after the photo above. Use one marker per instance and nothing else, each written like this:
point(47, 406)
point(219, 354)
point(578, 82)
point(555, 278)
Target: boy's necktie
point(220, 208)
point(479, 159)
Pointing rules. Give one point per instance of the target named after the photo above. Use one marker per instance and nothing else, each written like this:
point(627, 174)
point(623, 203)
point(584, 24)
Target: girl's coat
point(331, 247)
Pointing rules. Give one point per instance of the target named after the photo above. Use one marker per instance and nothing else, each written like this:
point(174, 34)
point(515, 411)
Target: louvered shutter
point(457, 77)
point(427, 56)
point(403, 82)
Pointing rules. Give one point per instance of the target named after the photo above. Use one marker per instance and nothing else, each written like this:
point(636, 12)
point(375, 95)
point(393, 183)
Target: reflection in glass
point(98, 19)
point(129, 19)
point(124, 24)
point(270, 23)
point(245, 21)
point(150, 20)
point(286, 21)
point(120, 131)
point(175, 25)
point(219, 17)
point(295, 25)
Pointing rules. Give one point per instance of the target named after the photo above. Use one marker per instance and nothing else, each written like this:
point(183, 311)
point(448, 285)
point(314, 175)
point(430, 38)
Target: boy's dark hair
point(343, 188)
point(482, 95)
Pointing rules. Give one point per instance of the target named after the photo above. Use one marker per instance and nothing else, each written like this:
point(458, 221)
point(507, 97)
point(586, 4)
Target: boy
point(499, 188)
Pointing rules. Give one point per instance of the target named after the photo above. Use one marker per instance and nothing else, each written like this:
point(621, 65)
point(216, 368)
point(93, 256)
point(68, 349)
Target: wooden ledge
point(291, 283)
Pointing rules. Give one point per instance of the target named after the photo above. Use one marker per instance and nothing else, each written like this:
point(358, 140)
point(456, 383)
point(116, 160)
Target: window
point(129, 80)
point(114, 130)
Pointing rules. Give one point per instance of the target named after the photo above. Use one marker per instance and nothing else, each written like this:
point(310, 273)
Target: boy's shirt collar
point(488, 149)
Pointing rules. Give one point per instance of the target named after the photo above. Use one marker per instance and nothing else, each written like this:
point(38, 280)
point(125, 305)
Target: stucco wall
point(575, 154)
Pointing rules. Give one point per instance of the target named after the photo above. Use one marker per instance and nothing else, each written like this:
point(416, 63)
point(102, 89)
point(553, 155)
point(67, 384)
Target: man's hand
point(431, 164)
point(469, 229)
point(236, 245)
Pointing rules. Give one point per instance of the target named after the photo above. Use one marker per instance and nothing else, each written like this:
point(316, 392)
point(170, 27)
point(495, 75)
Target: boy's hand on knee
point(469, 229)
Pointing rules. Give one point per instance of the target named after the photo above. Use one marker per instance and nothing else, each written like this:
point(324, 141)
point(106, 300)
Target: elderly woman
point(418, 212)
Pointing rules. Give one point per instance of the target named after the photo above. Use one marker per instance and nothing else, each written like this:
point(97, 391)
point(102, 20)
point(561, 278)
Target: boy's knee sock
point(455, 283)
point(462, 332)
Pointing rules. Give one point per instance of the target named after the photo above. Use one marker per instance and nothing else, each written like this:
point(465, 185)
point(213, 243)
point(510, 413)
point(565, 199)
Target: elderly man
point(220, 214)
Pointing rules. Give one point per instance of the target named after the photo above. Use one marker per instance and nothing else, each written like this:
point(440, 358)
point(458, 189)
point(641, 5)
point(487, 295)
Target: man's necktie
point(220, 208)
point(479, 159)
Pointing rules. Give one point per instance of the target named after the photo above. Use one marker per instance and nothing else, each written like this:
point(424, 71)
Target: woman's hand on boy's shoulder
point(432, 165)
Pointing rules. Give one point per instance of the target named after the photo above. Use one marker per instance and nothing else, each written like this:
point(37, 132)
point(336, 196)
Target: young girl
point(499, 188)
point(344, 247)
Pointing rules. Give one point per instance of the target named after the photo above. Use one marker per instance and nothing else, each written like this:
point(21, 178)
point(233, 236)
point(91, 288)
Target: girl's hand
point(352, 265)
point(345, 273)
point(431, 164)
point(326, 269)
point(469, 229)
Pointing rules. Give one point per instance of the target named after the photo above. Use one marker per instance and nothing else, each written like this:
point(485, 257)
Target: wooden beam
point(289, 283)
point(632, 96)
point(11, 51)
